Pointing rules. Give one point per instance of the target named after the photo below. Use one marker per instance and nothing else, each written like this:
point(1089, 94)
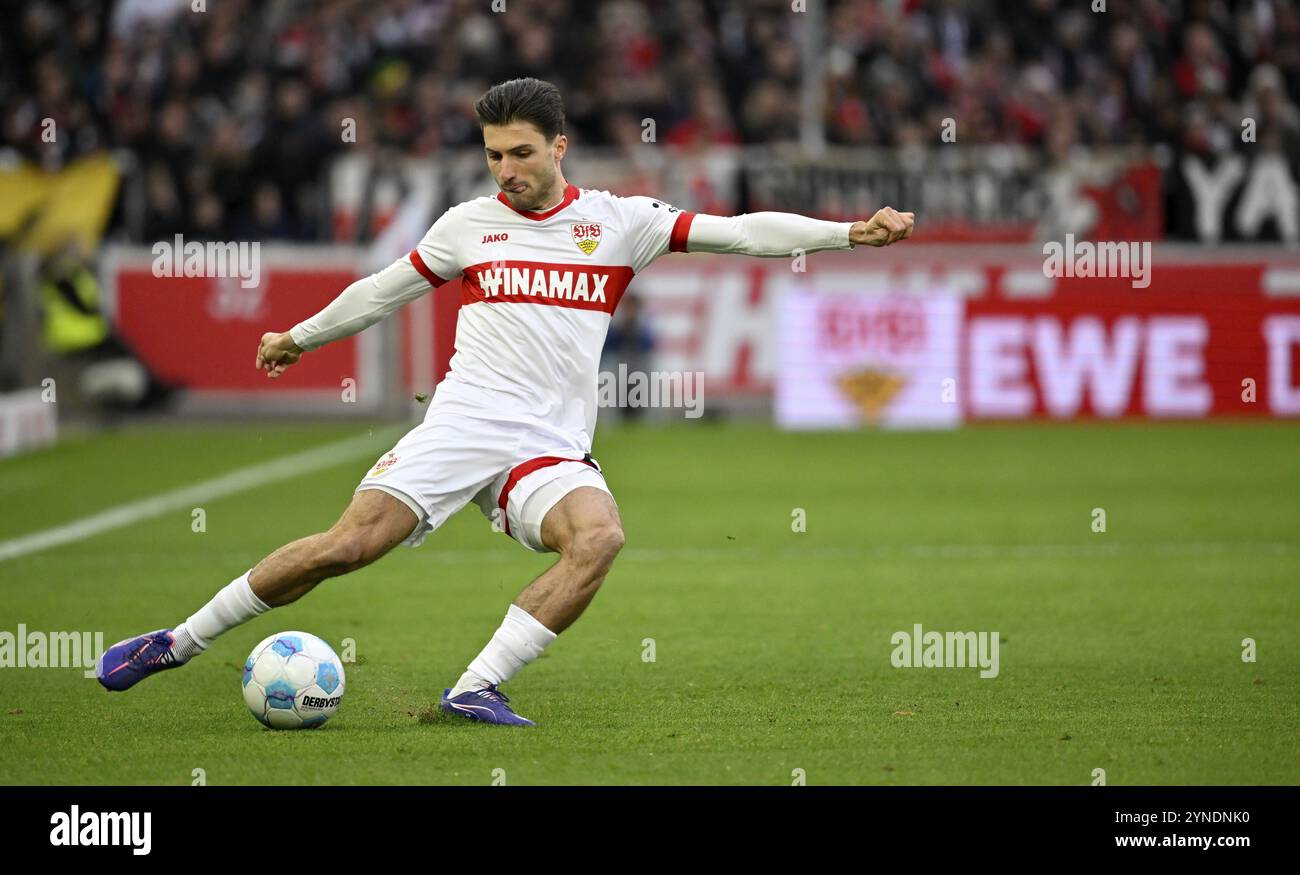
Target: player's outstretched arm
point(780, 235)
point(357, 307)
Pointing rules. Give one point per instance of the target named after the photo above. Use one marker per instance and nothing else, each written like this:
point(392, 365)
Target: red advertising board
point(202, 332)
point(1204, 339)
point(1210, 335)
point(1206, 333)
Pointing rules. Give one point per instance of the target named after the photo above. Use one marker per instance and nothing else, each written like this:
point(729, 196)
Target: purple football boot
point(128, 662)
point(486, 704)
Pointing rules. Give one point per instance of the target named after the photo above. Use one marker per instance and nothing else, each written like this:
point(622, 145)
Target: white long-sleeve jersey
point(538, 290)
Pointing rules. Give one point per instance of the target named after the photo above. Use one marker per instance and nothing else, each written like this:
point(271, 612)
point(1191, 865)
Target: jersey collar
point(571, 194)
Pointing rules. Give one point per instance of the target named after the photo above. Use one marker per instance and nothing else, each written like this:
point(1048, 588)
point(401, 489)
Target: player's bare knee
point(340, 555)
point(597, 546)
point(373, 524)
point(345, 550)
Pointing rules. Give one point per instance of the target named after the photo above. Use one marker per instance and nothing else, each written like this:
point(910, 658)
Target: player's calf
point(373, 524)
point(295, 569)
point(578, 576)
point(585, 529)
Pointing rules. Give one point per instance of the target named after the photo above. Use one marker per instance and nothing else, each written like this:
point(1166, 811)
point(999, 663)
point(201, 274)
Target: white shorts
point(514, 474)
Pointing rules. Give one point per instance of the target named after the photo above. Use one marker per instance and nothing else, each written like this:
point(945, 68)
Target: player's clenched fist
point(886, 226)
point(276, 352)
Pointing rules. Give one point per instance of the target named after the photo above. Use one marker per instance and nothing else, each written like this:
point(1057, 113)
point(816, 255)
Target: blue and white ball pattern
point(293, 680)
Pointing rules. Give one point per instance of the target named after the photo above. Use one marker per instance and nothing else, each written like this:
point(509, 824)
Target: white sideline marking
point(239, 480)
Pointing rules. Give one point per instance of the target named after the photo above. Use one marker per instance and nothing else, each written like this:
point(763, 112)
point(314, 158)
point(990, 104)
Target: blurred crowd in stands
point(233, 113)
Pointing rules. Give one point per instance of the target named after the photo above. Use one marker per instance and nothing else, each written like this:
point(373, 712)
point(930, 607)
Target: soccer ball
point(293, 680)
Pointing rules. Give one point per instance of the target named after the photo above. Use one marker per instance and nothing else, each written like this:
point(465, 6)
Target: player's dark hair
point(523, 100)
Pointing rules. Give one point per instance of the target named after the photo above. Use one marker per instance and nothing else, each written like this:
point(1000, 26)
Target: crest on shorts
point(383, 465)
point(586, 236)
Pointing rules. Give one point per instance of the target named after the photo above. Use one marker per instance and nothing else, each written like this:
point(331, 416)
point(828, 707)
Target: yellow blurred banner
point(42, 211)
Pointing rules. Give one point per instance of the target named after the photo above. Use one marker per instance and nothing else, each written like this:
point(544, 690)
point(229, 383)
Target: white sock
point(519, 641)
point(236, 603)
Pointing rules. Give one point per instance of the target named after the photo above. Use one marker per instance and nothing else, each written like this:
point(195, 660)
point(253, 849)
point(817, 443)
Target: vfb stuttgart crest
point(586, 236)
point(383, 465)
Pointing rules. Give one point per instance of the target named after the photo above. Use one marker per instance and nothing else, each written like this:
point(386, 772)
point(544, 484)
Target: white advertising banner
point(849, 360)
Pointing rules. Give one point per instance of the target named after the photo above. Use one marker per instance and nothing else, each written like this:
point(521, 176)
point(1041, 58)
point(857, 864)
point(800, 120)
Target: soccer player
point(543, 265)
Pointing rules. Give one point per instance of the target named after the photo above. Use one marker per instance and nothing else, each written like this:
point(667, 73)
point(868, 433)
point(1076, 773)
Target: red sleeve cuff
point(681, 231)
point(418, 263)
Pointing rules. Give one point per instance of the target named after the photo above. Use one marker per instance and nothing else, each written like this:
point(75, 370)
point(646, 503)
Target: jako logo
point(129, 828)
point(496, 238)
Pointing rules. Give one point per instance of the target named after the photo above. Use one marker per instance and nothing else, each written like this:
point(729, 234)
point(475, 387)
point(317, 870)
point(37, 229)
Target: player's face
point(525, 166)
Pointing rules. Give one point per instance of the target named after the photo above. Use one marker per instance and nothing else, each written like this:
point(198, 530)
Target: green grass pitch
point(1119, 650)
